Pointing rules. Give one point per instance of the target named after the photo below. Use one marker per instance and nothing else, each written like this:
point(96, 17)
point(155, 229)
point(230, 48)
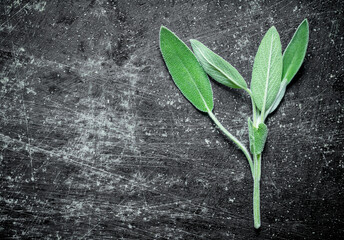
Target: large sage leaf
point(186, 71)
point(267, 70)
point(216, 67)
point(257, 137)
point(295, 52)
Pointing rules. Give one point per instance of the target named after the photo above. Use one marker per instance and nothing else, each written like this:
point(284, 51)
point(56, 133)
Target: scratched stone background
point(96, 142)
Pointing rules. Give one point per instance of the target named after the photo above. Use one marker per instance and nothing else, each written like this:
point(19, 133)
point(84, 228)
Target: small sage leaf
point(186, 71)
point(295, 52)
point(257, 137)
point(216, 67)
point(267, 70)
point(279, 96)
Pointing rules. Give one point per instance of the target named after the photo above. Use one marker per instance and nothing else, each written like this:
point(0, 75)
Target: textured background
point(97, 142)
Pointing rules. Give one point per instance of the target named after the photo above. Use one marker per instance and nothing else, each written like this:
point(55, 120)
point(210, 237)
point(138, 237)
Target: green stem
point(257, 118)
point(253, 107)
point(234, 139)
point(256, 190)
point(254, 113)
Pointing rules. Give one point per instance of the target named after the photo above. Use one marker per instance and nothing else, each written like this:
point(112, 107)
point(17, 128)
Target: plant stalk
point(254, 111)
point(257, 118)
point(256, 190)
point(234, 139)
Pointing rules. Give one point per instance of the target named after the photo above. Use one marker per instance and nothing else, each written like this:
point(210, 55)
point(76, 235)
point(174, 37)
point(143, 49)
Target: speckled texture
point(96, 142)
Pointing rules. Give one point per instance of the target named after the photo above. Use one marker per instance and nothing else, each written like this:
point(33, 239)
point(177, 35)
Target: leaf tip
point(163, 28)
point(194, 43)
point(305, 21)
point(273, 29)
point(305, 24)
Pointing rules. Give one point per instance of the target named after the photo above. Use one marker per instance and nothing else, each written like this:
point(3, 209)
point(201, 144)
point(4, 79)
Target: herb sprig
point(271, 74)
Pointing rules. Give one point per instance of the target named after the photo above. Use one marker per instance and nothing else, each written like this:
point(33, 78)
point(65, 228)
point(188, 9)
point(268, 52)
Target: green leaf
point(186, 71)
point(257, 137)
point(267, 70)
point(295, 52)
point(216, 67)
point(279, 97)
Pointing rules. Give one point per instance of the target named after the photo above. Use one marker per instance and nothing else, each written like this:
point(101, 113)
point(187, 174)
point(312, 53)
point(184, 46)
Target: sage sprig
point(271, 75)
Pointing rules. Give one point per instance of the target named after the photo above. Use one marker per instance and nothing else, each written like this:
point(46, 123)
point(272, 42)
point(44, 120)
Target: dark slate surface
point(97, 142)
